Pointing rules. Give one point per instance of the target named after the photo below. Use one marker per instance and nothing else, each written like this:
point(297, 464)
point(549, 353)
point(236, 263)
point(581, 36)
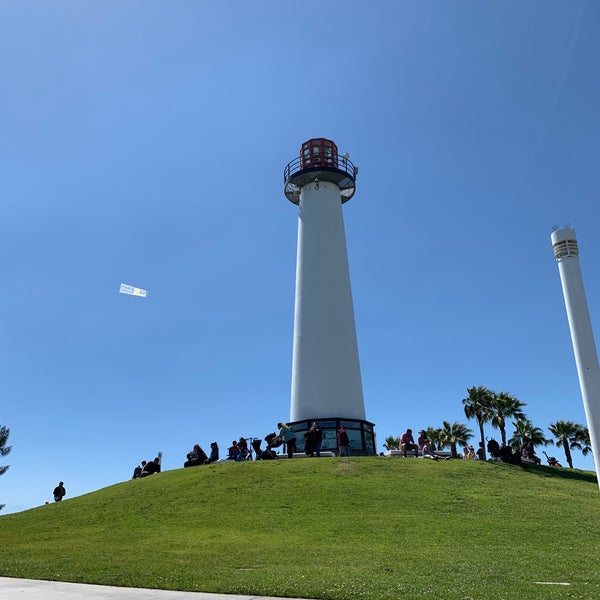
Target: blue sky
point(144, 142)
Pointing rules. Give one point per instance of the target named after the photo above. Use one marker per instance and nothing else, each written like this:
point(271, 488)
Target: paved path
point(31, 589)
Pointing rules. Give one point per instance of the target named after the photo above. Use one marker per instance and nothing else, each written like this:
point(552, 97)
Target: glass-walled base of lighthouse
point(361, 434)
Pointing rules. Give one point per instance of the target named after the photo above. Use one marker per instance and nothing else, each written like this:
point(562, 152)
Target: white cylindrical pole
point(566, 252)
point(326, 378)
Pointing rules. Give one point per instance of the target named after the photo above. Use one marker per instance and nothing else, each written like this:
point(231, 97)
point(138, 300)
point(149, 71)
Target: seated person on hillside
point(429, 453)
point(470, 453)
point(480, 452)
point(214, 454)
point(507, 455)
point(528, 452)
point(138, 470)
point(407, 443)
point(493, 447)
point(244, 450)
point(233, 452)
point(151, 467)
point(196, 457)
point(423, 439)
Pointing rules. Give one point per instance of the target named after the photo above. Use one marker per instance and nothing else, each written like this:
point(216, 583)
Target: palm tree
point(571, 436)
point(435, 437)
point(478, 406)
point(524, 429)
point(504, 406)
point(451, 435)
point(391, 443)
point(4, 449)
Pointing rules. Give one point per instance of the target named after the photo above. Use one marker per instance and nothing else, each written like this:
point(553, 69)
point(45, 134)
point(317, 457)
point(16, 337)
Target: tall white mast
point(566, 252)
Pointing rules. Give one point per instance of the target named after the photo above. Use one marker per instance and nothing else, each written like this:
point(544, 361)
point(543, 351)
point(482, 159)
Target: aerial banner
point(132, 291)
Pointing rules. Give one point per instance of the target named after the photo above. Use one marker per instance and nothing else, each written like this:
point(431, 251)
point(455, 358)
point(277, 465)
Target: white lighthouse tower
point(326, 379)
point(566, 252)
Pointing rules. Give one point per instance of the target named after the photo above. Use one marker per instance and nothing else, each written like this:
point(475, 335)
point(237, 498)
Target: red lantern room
point(318, 152)
point(319, 161)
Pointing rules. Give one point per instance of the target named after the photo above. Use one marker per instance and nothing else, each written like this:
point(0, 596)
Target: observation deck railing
point(318, 163)
point(304, 170)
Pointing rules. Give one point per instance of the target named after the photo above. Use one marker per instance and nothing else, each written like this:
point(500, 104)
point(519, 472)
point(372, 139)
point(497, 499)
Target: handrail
point(320, 162)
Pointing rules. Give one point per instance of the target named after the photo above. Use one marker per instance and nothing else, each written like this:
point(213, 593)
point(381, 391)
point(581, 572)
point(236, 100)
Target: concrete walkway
point(31, 589)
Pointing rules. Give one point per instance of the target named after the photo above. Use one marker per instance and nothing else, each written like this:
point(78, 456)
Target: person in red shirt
point(407, 443)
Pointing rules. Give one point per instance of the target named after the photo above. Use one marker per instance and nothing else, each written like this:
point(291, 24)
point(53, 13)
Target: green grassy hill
point(373, 528)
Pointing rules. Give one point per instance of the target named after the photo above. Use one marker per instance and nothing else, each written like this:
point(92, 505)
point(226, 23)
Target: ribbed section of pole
point(326, 376)
point(566, 252)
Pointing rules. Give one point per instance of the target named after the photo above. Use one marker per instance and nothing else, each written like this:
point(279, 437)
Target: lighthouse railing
point(338, 163)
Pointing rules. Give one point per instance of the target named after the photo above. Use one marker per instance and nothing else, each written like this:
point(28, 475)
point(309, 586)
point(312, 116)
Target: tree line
point(496, 408)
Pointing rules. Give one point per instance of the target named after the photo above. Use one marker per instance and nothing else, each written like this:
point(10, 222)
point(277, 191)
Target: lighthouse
point(566, 252)
point(326, 379)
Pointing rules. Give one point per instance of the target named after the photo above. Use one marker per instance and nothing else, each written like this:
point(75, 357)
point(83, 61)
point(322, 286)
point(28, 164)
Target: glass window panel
point(369, 442)
point(329, 439)
point(355, 438)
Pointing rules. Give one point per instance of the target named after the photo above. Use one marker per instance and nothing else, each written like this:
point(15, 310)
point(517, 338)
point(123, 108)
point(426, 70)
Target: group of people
point(197, 456)
point(469, 452)
point(504, 453)
point(146, 468)
point(496, 451)
point(423, 444)
point(313, 440)
point(239, 450)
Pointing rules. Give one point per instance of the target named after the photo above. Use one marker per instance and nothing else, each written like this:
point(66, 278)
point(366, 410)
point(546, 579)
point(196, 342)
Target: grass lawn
point(373, 528)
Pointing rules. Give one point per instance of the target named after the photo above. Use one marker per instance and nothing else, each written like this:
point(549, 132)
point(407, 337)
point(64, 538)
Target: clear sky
point(144, 142)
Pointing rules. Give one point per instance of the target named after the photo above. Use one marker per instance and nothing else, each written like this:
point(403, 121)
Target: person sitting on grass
point(214, 454)
point(508, 456)
point(407, 443)
point(151, 467)
point(233, 451)
point(528, 451)
point(493, 447)
point(196, 457)
point(422, 439)
point(480, 452)
point(243, 448)
point(138, 470)
point(428, 452)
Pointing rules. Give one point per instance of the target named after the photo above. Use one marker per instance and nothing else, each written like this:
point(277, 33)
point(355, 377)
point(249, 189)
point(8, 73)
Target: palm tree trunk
point(482, 438)
point(568, 456)
point(453, 450)
point(502, 428)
